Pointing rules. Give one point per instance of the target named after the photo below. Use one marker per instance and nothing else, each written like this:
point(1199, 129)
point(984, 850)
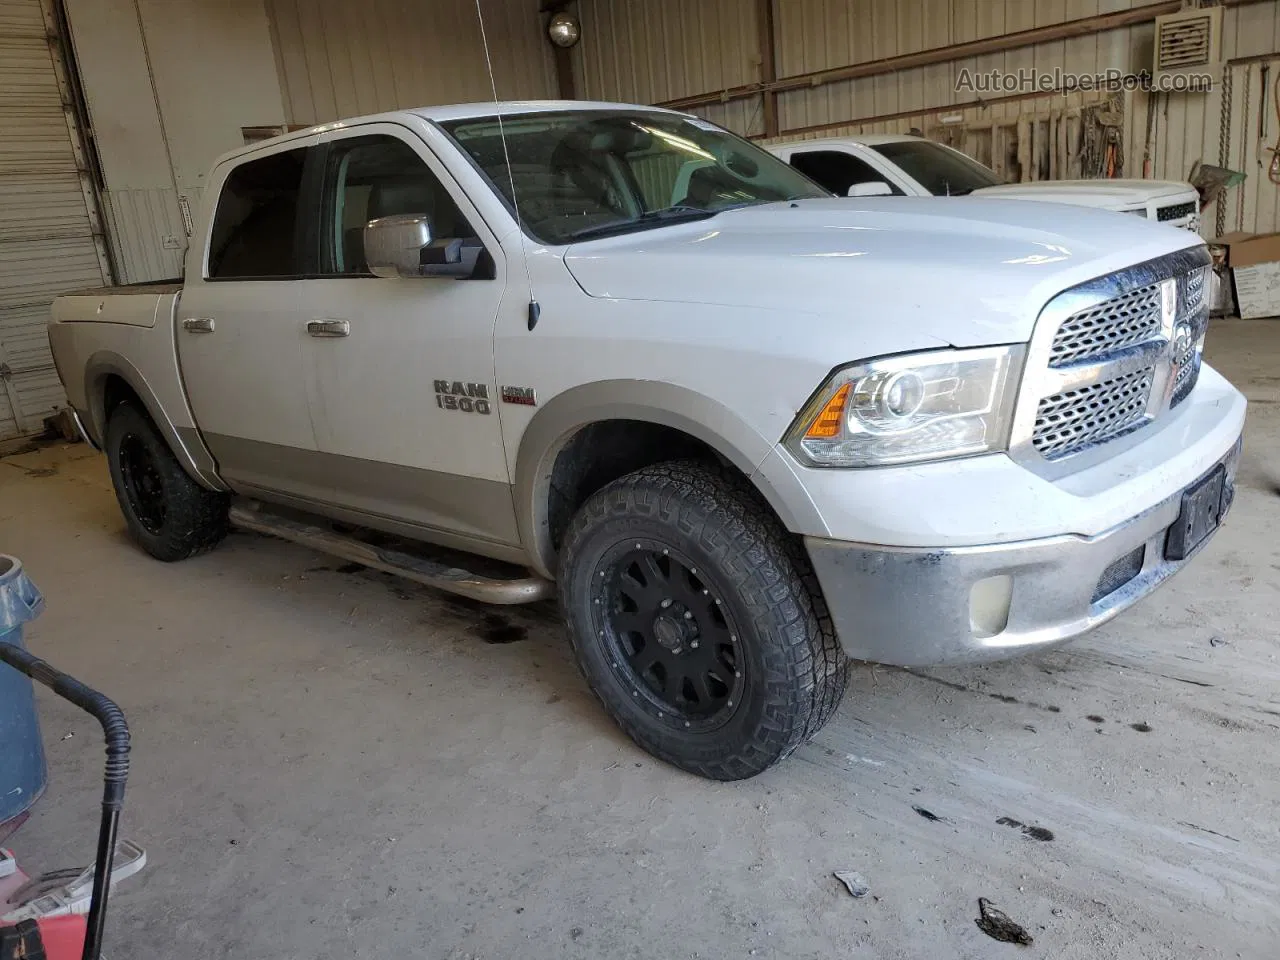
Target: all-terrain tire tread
point(196, 518)
point(805, 670)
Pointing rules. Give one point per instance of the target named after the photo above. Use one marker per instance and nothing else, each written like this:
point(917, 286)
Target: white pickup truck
point(743, 428)
point(900, 165)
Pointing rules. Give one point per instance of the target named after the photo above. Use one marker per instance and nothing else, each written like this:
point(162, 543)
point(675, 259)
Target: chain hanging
point(1244, 145)
point(1224, 147)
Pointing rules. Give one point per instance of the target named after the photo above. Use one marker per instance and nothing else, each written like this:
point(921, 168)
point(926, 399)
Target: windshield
point(598, 173)
point(940, 170)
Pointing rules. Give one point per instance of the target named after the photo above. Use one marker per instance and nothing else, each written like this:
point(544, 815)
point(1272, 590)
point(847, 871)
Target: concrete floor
point(334, 764)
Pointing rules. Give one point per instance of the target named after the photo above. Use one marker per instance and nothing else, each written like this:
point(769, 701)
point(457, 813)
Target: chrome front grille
point(1187, 350)
point(1070, 421)
point(1194, 287)
point(1185, 379)
point(1108, 358)
point(1108, 327)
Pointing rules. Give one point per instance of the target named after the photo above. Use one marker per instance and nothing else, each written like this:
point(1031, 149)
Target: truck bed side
point(101, 337)
point(148, 289)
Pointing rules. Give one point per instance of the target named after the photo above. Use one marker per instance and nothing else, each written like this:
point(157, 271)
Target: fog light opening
point(989, 603)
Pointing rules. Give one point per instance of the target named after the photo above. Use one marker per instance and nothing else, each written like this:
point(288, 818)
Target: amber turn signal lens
point(827, 423)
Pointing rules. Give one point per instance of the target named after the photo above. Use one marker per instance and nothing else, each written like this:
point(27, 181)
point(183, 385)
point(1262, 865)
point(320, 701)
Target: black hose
point(116, 730)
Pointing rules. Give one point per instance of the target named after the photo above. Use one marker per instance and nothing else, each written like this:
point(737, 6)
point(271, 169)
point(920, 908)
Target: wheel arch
point(706, 423)
point(108, 375)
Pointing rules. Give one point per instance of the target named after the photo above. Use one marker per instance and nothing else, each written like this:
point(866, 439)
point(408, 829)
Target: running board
point(420, 569)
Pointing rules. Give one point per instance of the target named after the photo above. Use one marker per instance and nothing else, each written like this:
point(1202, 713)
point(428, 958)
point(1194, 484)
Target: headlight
point(921, 406)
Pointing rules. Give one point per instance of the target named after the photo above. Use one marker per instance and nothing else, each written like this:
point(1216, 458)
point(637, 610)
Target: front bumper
point(919, 606)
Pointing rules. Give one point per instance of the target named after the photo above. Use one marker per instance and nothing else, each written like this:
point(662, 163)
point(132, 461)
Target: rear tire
point(168, 514)
point(697, 621)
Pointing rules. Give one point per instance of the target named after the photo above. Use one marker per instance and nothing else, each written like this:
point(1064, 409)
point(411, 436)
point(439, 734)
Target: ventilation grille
point(1185, 40)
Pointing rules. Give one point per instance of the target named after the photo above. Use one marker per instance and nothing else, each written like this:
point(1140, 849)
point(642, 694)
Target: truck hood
point(966, 272)
point(1107, 194)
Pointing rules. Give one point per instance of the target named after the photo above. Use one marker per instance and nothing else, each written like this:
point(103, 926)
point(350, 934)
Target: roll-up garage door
point(47, 237)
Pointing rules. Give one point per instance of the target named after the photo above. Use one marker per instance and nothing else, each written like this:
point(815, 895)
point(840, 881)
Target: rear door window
point(255, 229)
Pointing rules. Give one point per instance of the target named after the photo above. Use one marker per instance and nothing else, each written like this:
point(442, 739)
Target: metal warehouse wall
point(140, 198)
point(659, 50)
point(648, 51)
point(1195, 131)
point(50, 234)
point(169, 85)
point(340, 59)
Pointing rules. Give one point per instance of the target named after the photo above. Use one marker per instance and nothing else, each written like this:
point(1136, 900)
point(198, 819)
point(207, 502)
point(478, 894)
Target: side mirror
point(401, 246)
point(874, 188)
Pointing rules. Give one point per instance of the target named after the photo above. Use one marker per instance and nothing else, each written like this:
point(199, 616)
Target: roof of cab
point(490, 108)
point(866, 139)
point(445, 113)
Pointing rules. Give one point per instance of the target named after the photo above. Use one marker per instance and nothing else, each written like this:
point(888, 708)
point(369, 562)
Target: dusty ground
point(334, 764)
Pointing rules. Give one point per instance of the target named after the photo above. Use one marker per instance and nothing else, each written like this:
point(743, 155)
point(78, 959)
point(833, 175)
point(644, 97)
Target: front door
point(238, 332)
point(400, 374)
point(839, 170)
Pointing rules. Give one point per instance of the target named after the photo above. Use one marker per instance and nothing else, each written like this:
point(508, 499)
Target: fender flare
point(666, 404)
point(185, 442)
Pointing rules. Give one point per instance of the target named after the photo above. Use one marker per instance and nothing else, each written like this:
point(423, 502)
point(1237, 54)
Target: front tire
point(167, 513)
point(697, 621)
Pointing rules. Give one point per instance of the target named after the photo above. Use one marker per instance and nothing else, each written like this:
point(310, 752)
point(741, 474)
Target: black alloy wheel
point(143, 484)
point(670, 638)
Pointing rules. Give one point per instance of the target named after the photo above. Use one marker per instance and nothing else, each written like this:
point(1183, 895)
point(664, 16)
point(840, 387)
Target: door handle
point(198, 325)
point(329, 328)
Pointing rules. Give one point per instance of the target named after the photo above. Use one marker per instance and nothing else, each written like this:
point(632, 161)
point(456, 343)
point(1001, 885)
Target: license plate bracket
point(1200, 515)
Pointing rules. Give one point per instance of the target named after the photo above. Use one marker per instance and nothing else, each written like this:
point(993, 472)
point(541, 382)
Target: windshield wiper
point(677, 214)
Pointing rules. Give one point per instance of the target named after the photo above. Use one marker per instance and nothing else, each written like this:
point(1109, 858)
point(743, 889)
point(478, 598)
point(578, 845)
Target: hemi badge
point(524, 396)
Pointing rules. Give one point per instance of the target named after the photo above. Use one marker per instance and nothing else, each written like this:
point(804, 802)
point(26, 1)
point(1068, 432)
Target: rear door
point(241, 329)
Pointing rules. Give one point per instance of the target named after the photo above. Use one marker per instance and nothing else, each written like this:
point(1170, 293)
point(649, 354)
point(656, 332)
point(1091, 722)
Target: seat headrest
point(402, 196)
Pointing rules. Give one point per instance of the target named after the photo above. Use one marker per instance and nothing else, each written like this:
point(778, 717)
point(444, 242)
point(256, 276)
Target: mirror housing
point(873, 188)
point(402, 246)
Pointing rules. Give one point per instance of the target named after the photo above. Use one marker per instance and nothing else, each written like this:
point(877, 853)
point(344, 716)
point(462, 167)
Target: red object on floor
point(63, 937)
point(57, 938)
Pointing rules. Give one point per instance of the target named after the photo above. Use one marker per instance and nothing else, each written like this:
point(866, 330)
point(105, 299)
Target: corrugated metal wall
point(340, 59)
point(47, 241)
point(820, 34)
point(655, 50)
point(142, 220)
point(646, 51)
